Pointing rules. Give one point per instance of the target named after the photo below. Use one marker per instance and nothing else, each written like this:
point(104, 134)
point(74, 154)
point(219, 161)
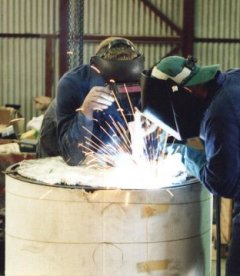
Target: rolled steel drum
point(66, 230)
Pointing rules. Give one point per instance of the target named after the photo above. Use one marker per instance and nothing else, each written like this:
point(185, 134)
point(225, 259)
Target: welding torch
point(113, 86)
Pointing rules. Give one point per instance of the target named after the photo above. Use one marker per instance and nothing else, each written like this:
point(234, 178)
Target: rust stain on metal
point(153, 210)
point(152, 266)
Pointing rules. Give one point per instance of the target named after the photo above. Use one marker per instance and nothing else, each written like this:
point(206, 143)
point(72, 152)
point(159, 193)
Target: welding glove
point(194, 158)
point(99, 98)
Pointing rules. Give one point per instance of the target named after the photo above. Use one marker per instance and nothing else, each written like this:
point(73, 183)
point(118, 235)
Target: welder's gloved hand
point(99, 98)
point(194, 159)
point(195, 143)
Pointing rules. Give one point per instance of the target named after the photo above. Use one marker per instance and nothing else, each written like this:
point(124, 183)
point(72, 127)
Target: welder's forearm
point(196, 164)
point(194, 160)
point(224, 183)
point(221, 173)
point(218, 181)
point(71, 153)
point(73, 142)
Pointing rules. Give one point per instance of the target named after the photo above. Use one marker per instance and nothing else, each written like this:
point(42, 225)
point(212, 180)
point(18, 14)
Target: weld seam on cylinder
point(107, 202)
point(138, 242)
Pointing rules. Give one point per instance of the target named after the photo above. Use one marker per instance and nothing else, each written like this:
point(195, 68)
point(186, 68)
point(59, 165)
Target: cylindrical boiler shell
point(62, 231)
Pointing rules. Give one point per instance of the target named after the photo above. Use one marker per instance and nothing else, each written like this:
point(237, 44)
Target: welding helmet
point(113, 63)
point(121, 65)
point(172, 107)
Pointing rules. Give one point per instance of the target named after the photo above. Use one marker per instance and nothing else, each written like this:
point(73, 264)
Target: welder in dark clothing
point(218, 165)
point(47, 144)
point(86, 106)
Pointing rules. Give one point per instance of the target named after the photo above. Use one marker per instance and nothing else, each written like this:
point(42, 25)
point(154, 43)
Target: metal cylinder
point(58, 230)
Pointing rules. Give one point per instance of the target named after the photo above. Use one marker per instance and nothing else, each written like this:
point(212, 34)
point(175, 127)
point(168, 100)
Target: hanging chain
point(81, 30)
point(75, 32)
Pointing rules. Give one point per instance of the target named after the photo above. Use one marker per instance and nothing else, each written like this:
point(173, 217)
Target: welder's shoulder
point(229, 91)
point(232, 80)
point(221, 107)
point(76, 73)
point(230, 96)
point(233, 72)
point(73, 81)
point(81, 77)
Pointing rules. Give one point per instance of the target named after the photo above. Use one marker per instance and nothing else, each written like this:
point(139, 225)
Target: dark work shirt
point(73, 127)
point(220, 131)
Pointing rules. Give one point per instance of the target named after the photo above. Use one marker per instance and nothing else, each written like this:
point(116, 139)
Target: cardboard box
point(7, 114)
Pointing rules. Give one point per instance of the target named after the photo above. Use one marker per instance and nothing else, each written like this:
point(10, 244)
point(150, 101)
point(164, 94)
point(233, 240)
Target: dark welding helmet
point(171, 107)
point(121, 71)
point(121, 65)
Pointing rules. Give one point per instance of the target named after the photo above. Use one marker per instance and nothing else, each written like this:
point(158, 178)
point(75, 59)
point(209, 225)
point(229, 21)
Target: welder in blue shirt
point(218, 165)
point(92, 101)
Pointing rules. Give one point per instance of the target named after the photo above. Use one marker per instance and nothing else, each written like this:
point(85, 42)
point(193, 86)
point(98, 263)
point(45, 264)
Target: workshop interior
point(126, 219)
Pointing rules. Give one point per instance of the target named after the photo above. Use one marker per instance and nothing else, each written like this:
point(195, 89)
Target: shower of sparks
point(137, 154)
point(95, 69)
point(45, 194)
point(142, 151)
point(113, 86)
point(129, 100)
point(171, 194)
point(138, 157)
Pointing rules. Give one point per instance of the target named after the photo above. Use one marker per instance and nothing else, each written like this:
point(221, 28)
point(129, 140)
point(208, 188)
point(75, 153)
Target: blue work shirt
point(219, 167)
point(72, 90)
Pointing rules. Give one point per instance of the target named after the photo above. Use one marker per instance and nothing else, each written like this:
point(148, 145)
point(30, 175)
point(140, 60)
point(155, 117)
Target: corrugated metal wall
point(132, 18)
point(23, 58)
point(27, 24)
point(22, 75)
point(218, 22)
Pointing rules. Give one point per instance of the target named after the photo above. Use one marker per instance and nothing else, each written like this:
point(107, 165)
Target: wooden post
point(188, 27)
point(226, 220)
